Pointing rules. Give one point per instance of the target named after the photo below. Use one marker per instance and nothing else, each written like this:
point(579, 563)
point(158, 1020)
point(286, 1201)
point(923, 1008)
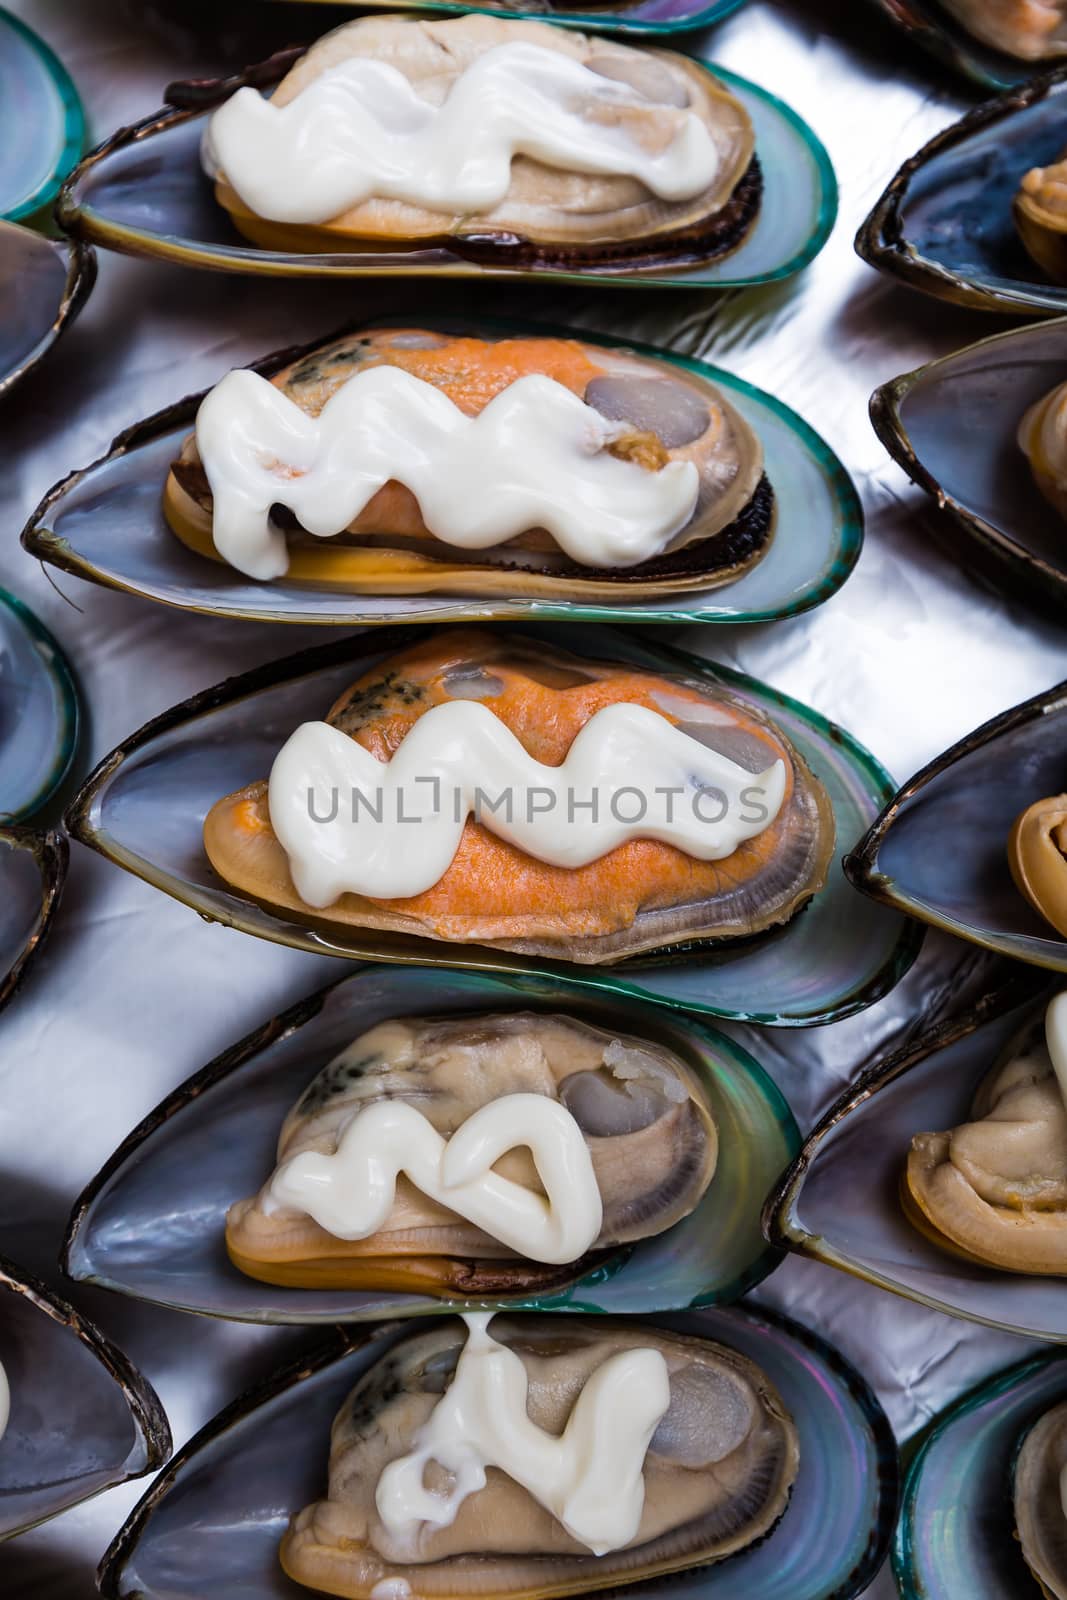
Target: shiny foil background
point(134, 993)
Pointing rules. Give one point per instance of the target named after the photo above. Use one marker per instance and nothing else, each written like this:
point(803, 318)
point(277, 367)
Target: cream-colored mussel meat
point(995, 1188)
point(477, 1155)
point(1041, 1501)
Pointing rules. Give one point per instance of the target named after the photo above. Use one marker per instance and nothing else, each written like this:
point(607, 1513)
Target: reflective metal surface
point(133, 992)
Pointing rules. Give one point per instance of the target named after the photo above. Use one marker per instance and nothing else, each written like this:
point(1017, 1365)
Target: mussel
point(1042, 437)
point(477, 1155)
point(1027, 30)
point(75, 1417)
point(533, 1459)
point(43, 286)
point(33, 869)
point(1037, 857)
point(385, 462)
point(1040, 1498)
point(1040, 210)
point(995, 1188)
point(39, 733)
point(42, 124)
point(505, 140)
point(562, 807)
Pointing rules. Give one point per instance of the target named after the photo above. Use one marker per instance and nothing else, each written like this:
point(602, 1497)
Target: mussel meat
point(529, 1457)
point(995, 1189)
point(595, 1141)
point(508, 141)
point(482, 787)
point(1029, 30)
point(1040, 212)
point(1040, 1497)
point(385, 462)
point(1037, 856)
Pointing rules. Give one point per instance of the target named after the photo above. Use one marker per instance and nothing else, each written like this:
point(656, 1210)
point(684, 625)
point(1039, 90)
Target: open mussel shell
point(33, 867)
point(145, 805)
point(944, 224)
point(929, 420)
point(840, 1201)
point(152, 1223)
point(43, 286)
point(947, 40)
point(957, 1532)
point(42, 127)
point(265, 1456)
point(645, 17)
point(939, 849)
point(82, 1419)
point(41, 716)
point(106, 523)
point(143, 192)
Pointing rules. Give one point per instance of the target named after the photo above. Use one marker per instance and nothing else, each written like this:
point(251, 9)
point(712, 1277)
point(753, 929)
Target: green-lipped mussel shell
point(145, 804)
point(82, 1419)
point(265, 1456)
point(33, 867)
point(42, 127)
point(43, 286)
point(929, 421)
point(648, 17)
point(957, 1532)
point(944, 224)
point(840, 1201)
point(39, 735)
point(152, 1223)
point(939, 849)
point(143, 192)
point(948, 41)
point(106, 523)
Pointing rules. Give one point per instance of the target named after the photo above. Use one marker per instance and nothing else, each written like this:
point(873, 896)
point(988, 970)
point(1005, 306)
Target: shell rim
point(553, 992)
point(79, 822)
point(153, 1441)
point(81, 276)
point(43, 543)
point(83, 222)
point(880, 240)
point(53, 662)
point(609, 21)
point(74, 125)
point(330, 1350)
point(781, 1225)
point(886, 414)
point(51, 852)
point(973, 1399)
point(861, 863)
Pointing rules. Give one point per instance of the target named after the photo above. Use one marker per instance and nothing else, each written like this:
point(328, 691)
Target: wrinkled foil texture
point(134, 993)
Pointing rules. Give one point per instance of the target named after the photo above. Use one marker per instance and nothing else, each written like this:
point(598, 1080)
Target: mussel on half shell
point(549, 216)
point(662, 416)
point(641, 896)
point(640, 1109)
point(716, 1476)
point(1040, 1498)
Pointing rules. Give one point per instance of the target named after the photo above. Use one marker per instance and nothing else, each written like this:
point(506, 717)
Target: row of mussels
point(472, 1121)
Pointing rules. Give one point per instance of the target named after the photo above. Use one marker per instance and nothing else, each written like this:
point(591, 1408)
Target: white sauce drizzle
point(352, 824)
point(590, 1478)
point(361, 130)
point(1042, 434)
point(351, 1193)
point(5, 1401)
point(534, 457)
point(1056, 1038)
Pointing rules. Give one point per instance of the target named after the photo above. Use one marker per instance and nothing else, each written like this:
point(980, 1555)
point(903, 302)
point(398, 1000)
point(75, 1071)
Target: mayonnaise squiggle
point(591, 1478)
point(360, 129)
point(351, 1193)
point(352, 824)
point(534, 457)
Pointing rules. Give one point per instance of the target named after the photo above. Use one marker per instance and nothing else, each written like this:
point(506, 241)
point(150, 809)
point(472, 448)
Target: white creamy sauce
point(534, 457)
point(351, 1193)
point(1042, 434)
point(361, 130)
point(1056, 1039)
point(5, 1401)
point(590, 1477)
point(352, 824)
